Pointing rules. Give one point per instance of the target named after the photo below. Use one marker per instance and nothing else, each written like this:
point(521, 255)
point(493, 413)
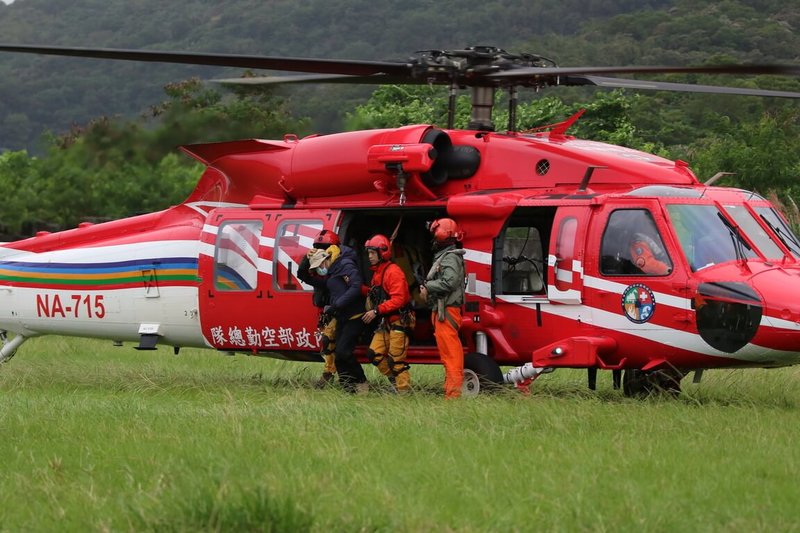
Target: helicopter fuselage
point(578, 254)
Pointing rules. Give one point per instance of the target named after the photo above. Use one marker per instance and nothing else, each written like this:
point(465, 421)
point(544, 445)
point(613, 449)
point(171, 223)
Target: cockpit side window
point(632, 246)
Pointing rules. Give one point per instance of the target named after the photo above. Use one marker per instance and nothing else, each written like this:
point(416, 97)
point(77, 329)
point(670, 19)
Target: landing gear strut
point(9, 347)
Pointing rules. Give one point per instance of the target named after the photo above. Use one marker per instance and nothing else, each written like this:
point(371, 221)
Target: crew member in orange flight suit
point(388, 299)
point(444, 292)
point(648, 256)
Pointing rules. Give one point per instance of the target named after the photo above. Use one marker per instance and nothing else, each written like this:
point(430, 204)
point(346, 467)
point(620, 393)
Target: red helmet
point(326, 238)
point(380, 244)
point(445, 229)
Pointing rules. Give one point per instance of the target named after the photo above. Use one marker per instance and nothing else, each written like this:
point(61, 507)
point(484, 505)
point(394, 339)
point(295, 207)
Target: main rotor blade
point(294, 64)
point(666, 86)
point(375, 79)
point(533, 72)
point(622, 83)
point(439, 69)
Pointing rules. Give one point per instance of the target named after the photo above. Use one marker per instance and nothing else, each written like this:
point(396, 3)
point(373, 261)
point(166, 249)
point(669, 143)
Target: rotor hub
point(470, 65)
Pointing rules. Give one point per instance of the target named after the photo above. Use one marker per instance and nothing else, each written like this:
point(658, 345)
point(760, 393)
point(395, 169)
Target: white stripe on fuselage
point(476, 256)
point(111, 254)
point(661, 334)
point(677, 338)
point(124, 310)
point(662, 298)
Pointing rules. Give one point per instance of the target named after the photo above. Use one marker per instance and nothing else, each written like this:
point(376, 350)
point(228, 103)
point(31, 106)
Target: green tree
point(113, 167)
point(608, 116)
point(764, 156)
point(18, 174)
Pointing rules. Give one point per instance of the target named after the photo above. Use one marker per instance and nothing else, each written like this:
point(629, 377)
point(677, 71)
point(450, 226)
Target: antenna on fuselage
point(587, 177)
point(718, 175)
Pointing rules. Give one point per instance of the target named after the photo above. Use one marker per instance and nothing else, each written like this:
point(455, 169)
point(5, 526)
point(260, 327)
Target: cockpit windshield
point(707, 238)
point(754, 231)
point(776, 223)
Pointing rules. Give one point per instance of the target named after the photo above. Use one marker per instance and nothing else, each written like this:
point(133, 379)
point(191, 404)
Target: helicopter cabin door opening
point(519, 273)
point(411, 251)
point(250, 296)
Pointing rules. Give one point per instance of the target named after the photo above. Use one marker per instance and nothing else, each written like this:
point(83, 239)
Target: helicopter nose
point(728, 314)
point(779, 288)
point(761, 313)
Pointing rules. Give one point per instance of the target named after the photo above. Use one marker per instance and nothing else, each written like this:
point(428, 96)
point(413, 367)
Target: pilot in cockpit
point(648, 255)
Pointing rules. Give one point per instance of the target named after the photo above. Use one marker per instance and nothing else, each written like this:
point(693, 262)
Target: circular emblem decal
point(638, 303)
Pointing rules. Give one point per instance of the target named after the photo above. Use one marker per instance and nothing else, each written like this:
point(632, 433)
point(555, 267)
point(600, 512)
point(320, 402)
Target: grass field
point(97, 438)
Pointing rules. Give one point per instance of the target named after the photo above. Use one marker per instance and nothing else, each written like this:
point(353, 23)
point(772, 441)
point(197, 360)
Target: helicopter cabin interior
point(411, 250)
point(519, 251)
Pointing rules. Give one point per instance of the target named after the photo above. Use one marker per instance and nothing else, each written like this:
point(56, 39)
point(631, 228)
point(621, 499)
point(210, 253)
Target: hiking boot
point(362, 388)
point(324, 380)
point(402, 382)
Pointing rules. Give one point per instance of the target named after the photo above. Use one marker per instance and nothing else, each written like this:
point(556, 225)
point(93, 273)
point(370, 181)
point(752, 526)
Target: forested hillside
point(66, 161)
point(53, 93)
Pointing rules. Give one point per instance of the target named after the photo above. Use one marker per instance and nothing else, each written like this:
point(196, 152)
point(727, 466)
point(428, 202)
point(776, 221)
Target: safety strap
point(398, 371)
point(396, 230)
point(397, 367)
point(435, 266)
point(451, 319)
point(404, 329)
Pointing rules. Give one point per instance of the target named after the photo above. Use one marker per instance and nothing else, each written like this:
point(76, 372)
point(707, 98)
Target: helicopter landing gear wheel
point(635, 383)
point(668, 381)
point(481, 373)
point(472, 384)
point(638, 384)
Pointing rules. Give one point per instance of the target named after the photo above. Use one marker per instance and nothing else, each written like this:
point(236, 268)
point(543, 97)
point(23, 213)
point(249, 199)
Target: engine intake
point(451, 162)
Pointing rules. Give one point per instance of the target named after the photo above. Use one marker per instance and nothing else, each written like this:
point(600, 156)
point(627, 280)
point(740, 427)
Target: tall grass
point(96, 438)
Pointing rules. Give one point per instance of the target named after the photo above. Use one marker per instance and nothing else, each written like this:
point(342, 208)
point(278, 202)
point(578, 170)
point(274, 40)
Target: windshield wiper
point(736, 238)
point(788, 239)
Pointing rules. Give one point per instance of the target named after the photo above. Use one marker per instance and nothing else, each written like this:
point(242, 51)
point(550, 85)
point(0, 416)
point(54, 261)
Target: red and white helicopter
point(579, 254)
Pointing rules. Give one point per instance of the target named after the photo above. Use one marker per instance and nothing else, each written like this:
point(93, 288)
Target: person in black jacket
point(342, 279)
point(326, 323)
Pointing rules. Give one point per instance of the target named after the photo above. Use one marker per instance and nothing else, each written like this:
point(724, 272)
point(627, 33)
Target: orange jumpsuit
point(389, 345)
point(450, 351)
point(445, 288)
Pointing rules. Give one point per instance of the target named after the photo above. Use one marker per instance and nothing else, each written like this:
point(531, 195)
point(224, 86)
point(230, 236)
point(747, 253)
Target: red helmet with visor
point(326, 238)
point(380, 244)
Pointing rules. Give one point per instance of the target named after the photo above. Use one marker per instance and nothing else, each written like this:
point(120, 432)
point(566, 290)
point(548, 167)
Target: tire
point(638, 384)
point(668, 381)
point(481, 373)
point(635, 383)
